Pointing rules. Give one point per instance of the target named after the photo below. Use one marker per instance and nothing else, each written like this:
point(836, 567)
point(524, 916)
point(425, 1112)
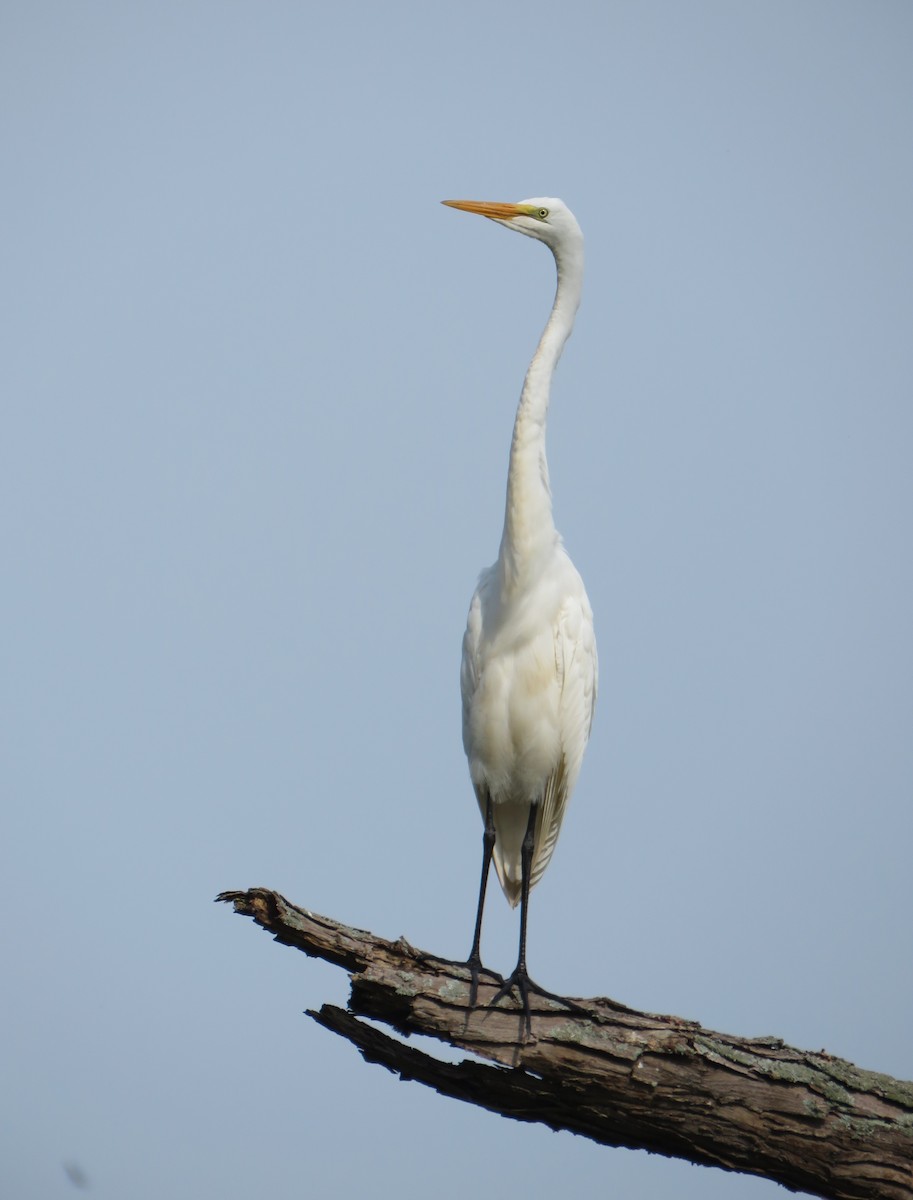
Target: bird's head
point(543, 217)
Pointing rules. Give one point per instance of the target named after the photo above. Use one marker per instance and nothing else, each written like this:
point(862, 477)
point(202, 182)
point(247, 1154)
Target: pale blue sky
point(258, 389)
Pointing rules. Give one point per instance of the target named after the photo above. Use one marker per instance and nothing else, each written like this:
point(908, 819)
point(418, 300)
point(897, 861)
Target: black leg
point(526, 869)
point(520, 976)
point(474, 962)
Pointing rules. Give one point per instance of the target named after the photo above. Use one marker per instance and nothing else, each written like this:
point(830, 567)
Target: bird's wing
point(577, 672)
point(470, 667)
point(469, 672)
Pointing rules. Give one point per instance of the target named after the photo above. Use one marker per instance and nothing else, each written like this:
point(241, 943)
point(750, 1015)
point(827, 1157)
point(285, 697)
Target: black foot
point(474, 963)
point(520, 980)
point(476, 971)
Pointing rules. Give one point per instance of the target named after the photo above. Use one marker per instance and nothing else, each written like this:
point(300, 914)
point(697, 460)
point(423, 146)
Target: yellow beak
point(488, 208)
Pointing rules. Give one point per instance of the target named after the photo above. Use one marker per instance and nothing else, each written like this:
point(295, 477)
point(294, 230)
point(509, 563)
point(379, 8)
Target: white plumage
point(529, 670)
point(528, 680)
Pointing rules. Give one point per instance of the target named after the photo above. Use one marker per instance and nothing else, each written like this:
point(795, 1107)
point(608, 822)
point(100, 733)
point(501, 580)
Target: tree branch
point(812, 1122)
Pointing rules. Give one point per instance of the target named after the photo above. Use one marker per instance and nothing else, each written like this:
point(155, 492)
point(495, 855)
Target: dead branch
point(809, 1121)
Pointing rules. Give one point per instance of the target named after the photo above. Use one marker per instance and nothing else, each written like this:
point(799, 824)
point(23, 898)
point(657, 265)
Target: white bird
point(529, 672)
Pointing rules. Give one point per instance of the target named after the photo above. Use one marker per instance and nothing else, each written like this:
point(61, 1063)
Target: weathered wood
point(810, 1121)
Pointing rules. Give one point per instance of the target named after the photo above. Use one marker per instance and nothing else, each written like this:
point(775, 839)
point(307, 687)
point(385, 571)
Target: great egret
point(529, 671)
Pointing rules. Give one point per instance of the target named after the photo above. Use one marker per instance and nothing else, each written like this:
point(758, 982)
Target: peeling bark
point(809, 1121)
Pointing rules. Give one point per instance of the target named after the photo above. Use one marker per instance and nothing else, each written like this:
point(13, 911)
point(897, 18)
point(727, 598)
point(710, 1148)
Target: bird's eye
point(542, 213)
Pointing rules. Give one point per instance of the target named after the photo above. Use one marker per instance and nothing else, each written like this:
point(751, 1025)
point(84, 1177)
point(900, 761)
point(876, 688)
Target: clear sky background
point(257, 393)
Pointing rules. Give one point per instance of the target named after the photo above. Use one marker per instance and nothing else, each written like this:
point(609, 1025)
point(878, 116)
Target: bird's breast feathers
point(529, 686)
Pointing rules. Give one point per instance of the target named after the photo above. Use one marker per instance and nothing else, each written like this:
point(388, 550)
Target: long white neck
point(529, 529)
